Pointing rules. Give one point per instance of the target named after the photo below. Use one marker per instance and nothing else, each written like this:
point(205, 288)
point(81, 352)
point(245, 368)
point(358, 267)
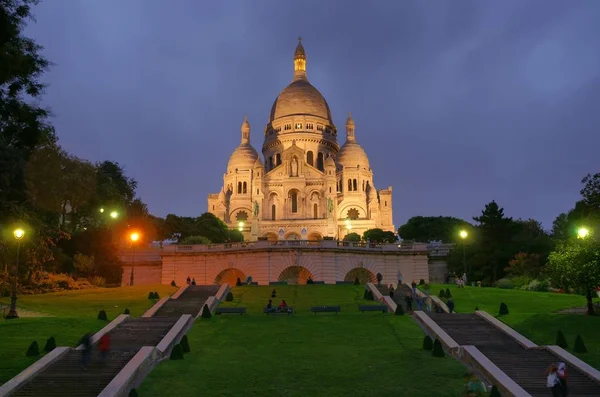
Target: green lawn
point(534, 314)
point(321, 355)
point(70, 315)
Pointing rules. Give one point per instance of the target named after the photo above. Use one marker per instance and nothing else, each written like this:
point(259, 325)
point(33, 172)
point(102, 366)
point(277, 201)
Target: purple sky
point(456, 103)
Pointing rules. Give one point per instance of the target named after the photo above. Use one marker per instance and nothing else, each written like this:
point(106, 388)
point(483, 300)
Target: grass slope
point(70, 315)
point(534, 314)
point(322, 355)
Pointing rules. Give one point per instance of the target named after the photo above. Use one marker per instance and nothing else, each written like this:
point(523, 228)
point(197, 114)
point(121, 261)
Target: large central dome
point(300, 97)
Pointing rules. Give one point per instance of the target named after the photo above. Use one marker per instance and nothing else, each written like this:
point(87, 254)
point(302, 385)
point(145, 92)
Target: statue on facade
point(294, 167)
point(256, 208)
point(330, 205)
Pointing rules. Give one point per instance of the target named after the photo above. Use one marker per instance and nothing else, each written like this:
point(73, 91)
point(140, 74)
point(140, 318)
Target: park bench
point(230, 310)
point(289, 310)
point(325, 309)
point(373, 308)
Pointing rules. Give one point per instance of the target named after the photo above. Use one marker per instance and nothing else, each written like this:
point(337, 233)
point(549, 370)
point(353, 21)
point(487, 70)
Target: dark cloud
point(456, 103)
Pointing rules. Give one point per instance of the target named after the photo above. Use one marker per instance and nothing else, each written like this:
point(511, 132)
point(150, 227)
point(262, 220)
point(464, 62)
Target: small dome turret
point(352, 154)
point(244, 156)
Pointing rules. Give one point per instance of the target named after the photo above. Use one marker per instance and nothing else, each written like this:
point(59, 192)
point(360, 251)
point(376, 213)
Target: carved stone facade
point(306, 187)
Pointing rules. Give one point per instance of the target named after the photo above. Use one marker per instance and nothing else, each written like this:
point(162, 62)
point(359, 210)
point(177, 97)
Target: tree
point(353, 237)
point(591, 190)
point(379, 236)
point(576, 264)
point(84, 265)
point(434, 228)
point(566, 224)
point(529, 265)
point(191, 240)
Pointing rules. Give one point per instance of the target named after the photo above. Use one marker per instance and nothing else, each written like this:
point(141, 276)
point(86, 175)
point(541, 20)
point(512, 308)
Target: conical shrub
point(177, 352)
point(185, 345)
point(150, 295)
point(579, 346)
point(34, 349)
point(173, 283)
point(427, 343)
point(399, 310)
point(370, 295)
point(561, 340)
point(356, 281)
point(126, 311)
point(494, 392)
point(102, 315)
point(503, 309)
point(156, 295)
point(206, 312)
point(438, 350)
point(442, 294)
point(50, 344)
point(238, 282)
point(133, 393)
point(366, 293)
point(448, 293)
point(229, 296)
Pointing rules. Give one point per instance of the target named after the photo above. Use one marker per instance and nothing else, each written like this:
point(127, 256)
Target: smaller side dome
point(351, 153)
point(258, 163)
point(244, 156)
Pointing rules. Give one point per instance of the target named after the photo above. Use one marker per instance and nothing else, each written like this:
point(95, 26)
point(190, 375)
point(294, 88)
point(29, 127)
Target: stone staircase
point(399, 294)
point(65, 377)
point(190, 302)
point(525, 366)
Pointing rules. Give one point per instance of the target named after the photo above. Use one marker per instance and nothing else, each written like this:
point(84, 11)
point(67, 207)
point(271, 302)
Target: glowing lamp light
point(463, 234)
point(19, 233)
point(114, 214)
point(348, 225)
point(241, 226)
point(134, 236)
point(583, 232)
point(101, 210)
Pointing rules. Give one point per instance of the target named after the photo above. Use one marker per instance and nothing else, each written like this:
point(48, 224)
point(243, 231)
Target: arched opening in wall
point(292, 236)
point(270, 163)
point(294, 201)
point(316, 211)
point(245, 188)
point(349, 185)
point(295, 275)
point(364, 275)
point(314, 236)
point(273, 212)
point(278, 159)
point(354, 185)
point(230, 276)
point(239, 188)
point(271, 236)
point(241, 216)
point(320, 161)
point(309, 158)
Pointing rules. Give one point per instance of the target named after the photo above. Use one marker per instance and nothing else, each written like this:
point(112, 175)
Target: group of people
point(190, 281)
point(422, 303)
point(282, 307)
point(556, 379)
point(103, 346)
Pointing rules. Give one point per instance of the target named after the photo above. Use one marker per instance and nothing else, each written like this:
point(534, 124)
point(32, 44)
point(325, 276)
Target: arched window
point(273, 212)
point(309, 158)
point(270, 163)
point(320, 161)
point(278, 159)
point(239, 188)
point(354, 185)
point(294, 199)
point(315, 211)
point(352, 214)
point(245, 188)
point(363, 186)
point(349, 185)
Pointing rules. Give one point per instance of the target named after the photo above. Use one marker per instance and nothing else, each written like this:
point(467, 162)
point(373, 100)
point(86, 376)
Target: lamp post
point(18, 234)
point(463, 235)
point(134, 237)
point(583, 232)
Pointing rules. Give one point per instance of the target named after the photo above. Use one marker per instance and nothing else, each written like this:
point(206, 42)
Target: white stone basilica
point(307, 187)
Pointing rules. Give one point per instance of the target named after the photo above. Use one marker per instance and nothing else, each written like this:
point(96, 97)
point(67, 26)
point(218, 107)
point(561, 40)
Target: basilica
point(304, 186)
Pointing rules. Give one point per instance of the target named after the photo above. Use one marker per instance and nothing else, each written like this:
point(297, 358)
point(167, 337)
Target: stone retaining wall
point(152, 311)
point(132, 374)
point(175, 334)
point(573, 361)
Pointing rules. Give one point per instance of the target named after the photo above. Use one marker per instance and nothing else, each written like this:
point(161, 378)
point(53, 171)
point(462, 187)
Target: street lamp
point(114, 214)
point(241, 226)
point(101, 210)
point(583, 232)
point(134, 237)
point(18, 234)
point(463, 235)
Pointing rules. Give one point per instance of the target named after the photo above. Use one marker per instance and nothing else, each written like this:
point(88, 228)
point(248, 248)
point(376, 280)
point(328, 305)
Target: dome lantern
point(245, 131)
point(350, 129)
point(299, 61)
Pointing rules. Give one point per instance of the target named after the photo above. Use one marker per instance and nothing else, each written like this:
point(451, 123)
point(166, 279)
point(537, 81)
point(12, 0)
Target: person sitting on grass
point(270, 308)
point(450, 305)
point(408, 301)
point(283, 306)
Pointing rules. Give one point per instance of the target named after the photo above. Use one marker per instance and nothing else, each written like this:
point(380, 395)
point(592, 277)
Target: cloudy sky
point(456, 103)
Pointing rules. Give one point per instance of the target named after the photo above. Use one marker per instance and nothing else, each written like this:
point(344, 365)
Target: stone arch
point(271, 236)
point(292, 236)
point(230, 276)
point(364, 275)
point(295, 275)
point(315, 236)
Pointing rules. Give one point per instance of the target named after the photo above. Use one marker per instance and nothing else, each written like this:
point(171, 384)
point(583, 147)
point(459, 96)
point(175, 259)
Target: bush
point(356, 281)
point(399, 310)
point(238, 282)
point(494, 392)
point(504, 283)
point(206, 312)
point(133, 393)
point(520, 281)
point(537, 285)
point(229, 296)
point(173, 283)
point(421, 282)
point(427, 343)
point(579, 346)
point(156, 295)
point(126, 311)
point(97, 281)
point(185, 345)
point(438, 350)
point(150, 295)
point(34, 349)
point(442, 294)
point(370, 295)
point(503, 309)
point(448, 294)
point(50, 344)
point(102, 315)
point(561, 341)
point(365, 294)
point(177, 352)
